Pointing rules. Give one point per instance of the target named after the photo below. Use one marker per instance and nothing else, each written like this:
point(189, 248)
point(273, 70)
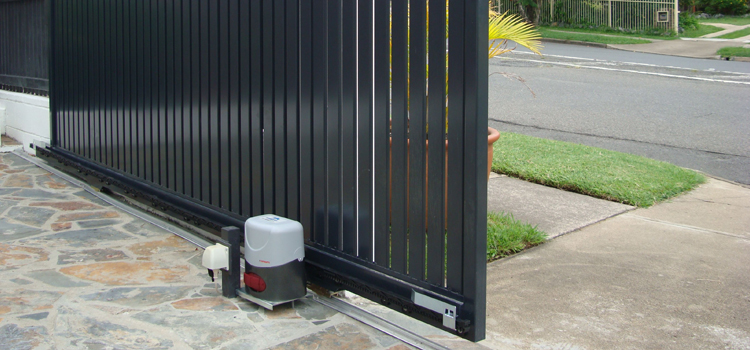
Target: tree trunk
point(522, 11)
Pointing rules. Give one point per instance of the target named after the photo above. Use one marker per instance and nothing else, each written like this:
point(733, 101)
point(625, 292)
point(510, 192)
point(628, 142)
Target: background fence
point(626, 14)
point(24, 42)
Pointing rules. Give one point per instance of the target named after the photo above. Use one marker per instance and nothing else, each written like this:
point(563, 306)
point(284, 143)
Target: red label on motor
point(265, 262)
point(255, 282)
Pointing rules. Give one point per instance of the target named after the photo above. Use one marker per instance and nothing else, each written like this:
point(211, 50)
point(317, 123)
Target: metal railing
point(24, 42)
point(626, 14)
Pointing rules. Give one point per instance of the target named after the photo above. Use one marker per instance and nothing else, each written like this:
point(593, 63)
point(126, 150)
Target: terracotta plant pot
point(492, 136)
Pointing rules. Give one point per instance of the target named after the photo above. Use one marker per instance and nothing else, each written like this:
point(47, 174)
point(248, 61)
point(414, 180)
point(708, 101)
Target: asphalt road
point(690, 112)
point(643, 58)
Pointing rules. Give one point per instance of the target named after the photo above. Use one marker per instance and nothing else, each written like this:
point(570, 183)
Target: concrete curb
point(614, 47)
point(720, 179)
point(717, 57)
point(575, 42)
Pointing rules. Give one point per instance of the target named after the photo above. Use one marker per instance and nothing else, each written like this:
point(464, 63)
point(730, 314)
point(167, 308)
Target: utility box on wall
point(666, 17)
point(662, 16)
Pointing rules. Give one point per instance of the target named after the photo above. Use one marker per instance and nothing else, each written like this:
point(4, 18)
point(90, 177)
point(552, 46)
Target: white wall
point(26, 118)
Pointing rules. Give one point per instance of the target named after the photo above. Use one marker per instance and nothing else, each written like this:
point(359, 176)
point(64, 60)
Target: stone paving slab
point(80, 274)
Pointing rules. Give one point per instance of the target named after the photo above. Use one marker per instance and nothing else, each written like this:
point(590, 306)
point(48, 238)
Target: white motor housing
point(274, 256)
point(273, 241)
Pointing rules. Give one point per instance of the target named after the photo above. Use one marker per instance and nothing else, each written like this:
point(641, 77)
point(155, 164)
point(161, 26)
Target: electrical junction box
point(274, 260)
point(216, 257)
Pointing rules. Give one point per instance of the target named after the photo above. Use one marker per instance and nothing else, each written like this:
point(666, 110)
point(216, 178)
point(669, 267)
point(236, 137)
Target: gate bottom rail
point(329, 270)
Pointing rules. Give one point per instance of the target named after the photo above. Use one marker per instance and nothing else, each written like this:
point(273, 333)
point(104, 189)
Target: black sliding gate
point(24, 39)
point(218, 110)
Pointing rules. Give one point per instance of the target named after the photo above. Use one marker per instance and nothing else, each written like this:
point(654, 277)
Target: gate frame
point(333, 269)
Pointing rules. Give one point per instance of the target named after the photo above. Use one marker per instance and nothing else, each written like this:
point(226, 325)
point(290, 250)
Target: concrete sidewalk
point(674, 276)
point(553, 211)
point(704, 47)
point(726, 29)
point(693, 48)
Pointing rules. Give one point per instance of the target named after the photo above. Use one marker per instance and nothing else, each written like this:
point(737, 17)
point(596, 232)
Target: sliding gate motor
point(274, 266)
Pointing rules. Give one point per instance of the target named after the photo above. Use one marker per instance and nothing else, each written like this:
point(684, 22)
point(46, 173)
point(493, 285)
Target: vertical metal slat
point(417, 137)
point(256, 91)
point(204, 168)
point(292, 108)
point(333, 131)
point(169, 159)
point(244, 159)
point(364, 130)
point(436, 162)
point(180, 103)
point(305, 117)
point(278, 107)
point(474, 235)
point(319, 70)
point(223, 132)
point(399, 130)
point(348, 128)
point(381, 133)
point(456, 64)
point(234, 188)
point(267, 105)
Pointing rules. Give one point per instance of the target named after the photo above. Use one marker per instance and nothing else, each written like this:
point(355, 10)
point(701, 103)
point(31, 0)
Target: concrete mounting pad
point(553, 211)
point(640, 280)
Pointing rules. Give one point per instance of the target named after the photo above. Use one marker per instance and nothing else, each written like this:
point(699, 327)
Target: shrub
point(688, 21)
point(578, 12)
point(724, 7)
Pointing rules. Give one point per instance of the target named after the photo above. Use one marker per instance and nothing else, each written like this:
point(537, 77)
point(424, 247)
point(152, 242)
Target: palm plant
point(504, 27)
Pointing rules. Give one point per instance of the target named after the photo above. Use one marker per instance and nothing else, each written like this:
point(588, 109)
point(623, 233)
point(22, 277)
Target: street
point(694, 113)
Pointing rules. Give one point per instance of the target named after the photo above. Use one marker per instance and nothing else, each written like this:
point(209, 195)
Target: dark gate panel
point(316, 110)
point(24, 41)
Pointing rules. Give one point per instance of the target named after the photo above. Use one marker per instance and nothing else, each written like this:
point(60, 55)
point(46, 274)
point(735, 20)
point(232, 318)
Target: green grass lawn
point(733, 52)
point(605, 31)
point(606, 36)
point(702, 30)
point(591, 171)
point(736, 20)
point(736, 34)
point(591, 38)
point(507, 236)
